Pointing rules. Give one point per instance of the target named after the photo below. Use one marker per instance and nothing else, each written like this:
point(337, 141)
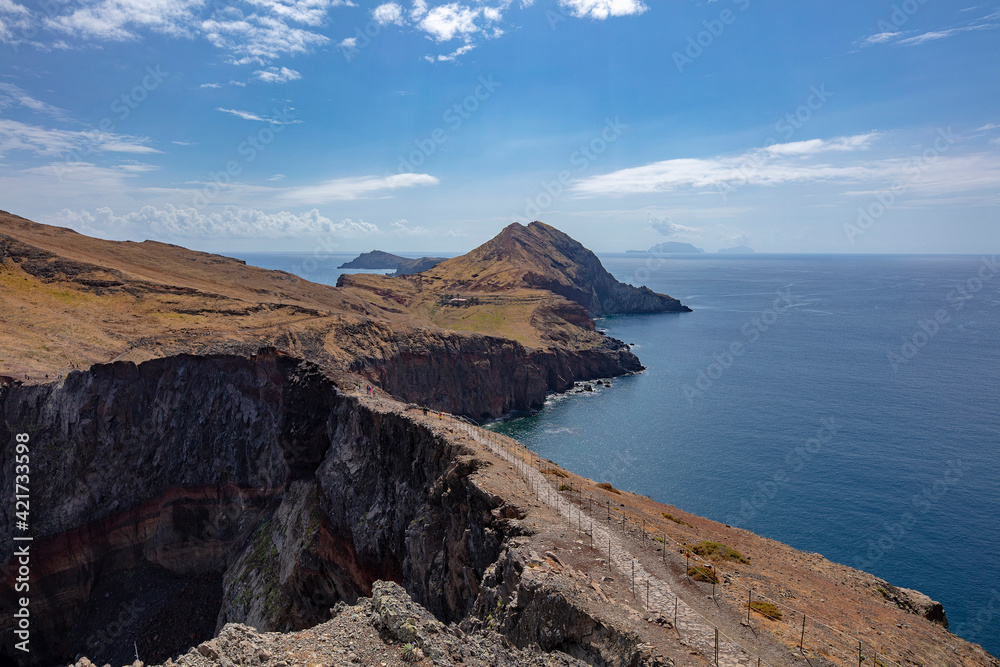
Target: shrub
point(410, 653)
point(607, 487)
point(699, 573)
point(767, 609)
point(553, 471)
point(717, 551)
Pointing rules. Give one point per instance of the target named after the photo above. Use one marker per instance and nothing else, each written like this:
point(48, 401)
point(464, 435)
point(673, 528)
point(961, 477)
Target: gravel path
point(695, 630)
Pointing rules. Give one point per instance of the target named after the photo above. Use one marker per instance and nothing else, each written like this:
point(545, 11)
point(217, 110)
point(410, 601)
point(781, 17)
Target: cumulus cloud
point(602, 9)
point(252, 31)
point(390, 12)
point(665, 226)
point(232, 222)
point(277, 75)
point(447, 22)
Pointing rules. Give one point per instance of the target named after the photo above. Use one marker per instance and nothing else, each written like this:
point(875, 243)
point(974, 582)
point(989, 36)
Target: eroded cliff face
point(254, 473)
point(479, 376)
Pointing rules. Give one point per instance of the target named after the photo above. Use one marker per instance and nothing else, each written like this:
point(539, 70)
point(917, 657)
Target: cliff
point(104, 300)
point(376, 259)
point(404, 266)
point(186, 506)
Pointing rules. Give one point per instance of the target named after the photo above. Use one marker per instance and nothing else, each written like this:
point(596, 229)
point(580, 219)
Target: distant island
point(379, 260)
point(680, 248)
point(675, 247)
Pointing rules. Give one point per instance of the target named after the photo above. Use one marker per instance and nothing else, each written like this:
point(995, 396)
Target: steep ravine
point(253, 476)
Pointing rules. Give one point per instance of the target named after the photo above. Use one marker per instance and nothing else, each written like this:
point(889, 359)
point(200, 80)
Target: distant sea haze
point(843, 404)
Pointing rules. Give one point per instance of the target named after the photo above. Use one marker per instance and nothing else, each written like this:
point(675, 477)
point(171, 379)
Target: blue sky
point(854, 126)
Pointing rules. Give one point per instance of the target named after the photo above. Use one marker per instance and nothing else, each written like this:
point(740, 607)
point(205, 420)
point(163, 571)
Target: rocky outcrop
point(914, 602)
point(387, 629)
point(410, 266)
point(479, 376)
point(256, 469)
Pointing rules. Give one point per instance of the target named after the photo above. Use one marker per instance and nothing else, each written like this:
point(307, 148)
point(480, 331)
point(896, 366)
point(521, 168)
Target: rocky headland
point(211, 485)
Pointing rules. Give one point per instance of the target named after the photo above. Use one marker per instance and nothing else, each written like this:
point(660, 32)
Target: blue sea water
point(845, 405)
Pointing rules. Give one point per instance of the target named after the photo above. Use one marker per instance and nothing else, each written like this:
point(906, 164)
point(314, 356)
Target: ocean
point(847, 405)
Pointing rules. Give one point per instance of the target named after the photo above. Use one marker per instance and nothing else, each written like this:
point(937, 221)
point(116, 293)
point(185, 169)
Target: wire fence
point(602, 522)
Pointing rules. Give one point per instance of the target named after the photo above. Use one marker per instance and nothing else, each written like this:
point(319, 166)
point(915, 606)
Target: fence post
point(647, 594)
point(859, 653)
point(749, 602)
point(802, 638)
point(633, 578)
point(716, 645)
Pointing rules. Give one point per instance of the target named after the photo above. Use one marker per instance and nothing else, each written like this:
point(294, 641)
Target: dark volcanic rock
point(256, 469)
point(376, 259)
point(410, 266)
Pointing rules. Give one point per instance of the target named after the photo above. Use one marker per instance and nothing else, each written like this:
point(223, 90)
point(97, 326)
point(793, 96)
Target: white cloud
point(348, 43)
point(813, 146)
point(277, 75)
point(880, 38)
point(988, 22)
point(119, 20)
point(232, 222)
point(419, 9)
point(269, 29)
point(341, 189)
point(210, 85)
point(11, 94)
point(259, 39)
point(17, 136)
point(249, 115)
point(941, 174)
point(460, 51)
point(602, 9)
point(446, 22)
point(665, 226)
point(388, 13)
point(15, 20)
point(183, 143)
point(988, 127)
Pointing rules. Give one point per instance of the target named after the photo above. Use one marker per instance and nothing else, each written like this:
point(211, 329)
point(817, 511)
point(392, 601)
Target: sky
point(420, 126)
